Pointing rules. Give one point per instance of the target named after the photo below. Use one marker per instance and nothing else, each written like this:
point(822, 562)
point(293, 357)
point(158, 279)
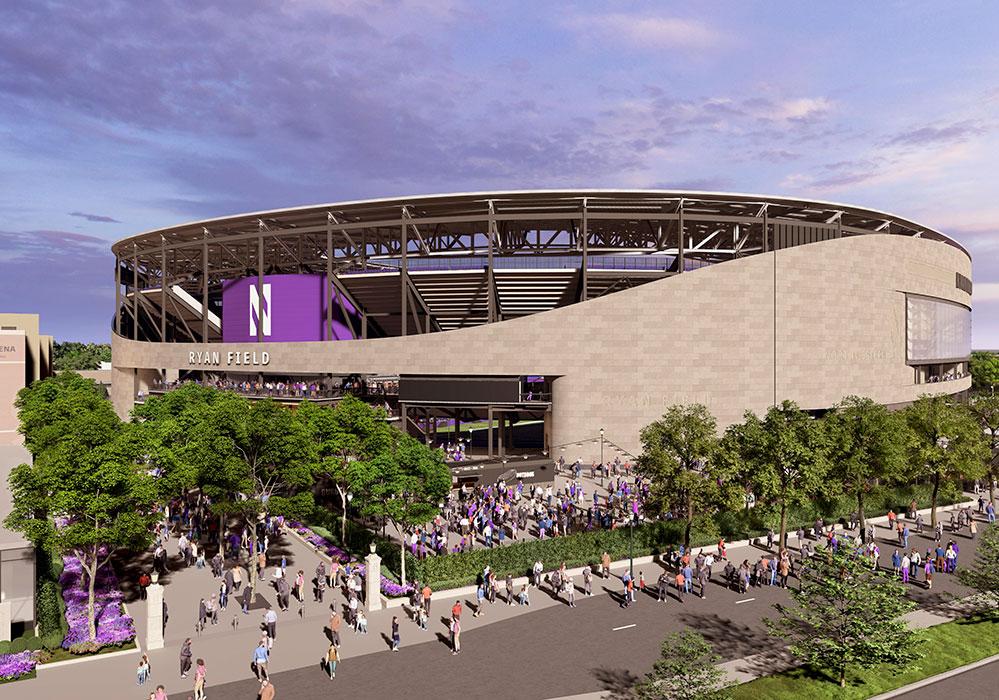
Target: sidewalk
point(301, 641)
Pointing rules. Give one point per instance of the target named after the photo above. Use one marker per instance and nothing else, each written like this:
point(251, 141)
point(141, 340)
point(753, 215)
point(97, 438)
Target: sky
point(119, 117)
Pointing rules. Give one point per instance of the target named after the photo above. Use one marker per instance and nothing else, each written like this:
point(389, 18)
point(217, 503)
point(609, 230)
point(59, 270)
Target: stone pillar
point(5, 615)
point(154, 614)
point(372, 581)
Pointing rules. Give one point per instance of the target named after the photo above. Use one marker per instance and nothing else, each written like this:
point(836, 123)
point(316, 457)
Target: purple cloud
point(933, 135)
point(95, 218)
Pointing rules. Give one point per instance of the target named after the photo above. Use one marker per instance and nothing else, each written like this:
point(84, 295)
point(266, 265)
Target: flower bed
point(387, 585)
point(114, 627)
point(13, 666)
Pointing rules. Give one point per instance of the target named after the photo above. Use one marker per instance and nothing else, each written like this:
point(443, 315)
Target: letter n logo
point(256, 312)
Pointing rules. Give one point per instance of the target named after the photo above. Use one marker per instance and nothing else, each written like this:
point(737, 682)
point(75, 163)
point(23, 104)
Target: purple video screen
point(291, 308)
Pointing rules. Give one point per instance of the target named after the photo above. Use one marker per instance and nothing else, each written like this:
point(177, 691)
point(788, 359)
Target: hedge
point(50, 616)
point(462, 569)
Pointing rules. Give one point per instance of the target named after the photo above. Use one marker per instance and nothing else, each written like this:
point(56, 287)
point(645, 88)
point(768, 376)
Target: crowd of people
point(486, 516)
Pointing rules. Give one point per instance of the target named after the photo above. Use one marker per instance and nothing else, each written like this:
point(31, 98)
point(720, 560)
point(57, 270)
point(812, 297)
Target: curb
point(934, 679)
point(88, 658)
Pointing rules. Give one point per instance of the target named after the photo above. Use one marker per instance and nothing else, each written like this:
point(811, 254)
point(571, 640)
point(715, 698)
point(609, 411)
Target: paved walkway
point(586, 637)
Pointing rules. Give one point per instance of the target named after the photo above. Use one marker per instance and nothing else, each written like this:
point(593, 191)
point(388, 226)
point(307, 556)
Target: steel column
point(135, 292)
point(204, 291)
point(329, 279)
point(490, 280)
point(260, 289)
point(163, 283)
point(117, 295)
point(404, 276)
point(585, 234)
point(680, 247)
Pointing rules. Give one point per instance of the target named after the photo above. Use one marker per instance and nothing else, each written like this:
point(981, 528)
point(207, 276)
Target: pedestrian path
point(301, 639)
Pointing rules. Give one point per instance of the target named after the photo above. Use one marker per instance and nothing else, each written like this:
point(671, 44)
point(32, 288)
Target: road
point(559, 651)
point(977, 683)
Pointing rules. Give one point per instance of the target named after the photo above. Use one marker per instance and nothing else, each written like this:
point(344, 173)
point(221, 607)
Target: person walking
point(509, 589)
point(335, 622)
point(455, 636)
point(681, 583)
point(570, 591)
point(266, 690)
point(332, 659)
point(199, 680)
point(662, 584)
point(396, 639)
point(142, 672)
point(523, 598)
point(605, 563)
point(185, 657)
point(427, 593)
point(480, 598)
point(270, 622)
point(260, 658)
point(587, 581)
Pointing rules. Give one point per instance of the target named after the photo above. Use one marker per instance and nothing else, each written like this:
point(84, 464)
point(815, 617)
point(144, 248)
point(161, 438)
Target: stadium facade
point(579, 310)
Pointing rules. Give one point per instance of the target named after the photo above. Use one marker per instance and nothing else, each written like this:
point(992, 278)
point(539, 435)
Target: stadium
point(552, 321)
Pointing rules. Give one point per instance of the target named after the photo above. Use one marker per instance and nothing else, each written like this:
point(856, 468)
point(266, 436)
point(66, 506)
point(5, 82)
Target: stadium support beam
point(584, 233)
point(117, 294)
point(682, 243)
point(260, 289)
point(329, 277)
point(163, 293)
point(403, 273)
point(135, 292)
point(204, 289)
point(490, 278)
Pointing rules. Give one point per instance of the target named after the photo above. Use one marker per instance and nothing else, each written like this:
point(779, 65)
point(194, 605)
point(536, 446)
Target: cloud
point(932, 135)
point(96, 218)
point(985, 291)
point(76, 292)
point(646, 31)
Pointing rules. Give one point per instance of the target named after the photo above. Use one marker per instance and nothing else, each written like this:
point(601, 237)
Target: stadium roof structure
point(437, 262)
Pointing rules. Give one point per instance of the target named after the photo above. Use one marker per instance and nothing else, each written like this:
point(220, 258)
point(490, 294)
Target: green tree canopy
point(985, 408)
point(678, 459)
point(262, 461)
point(984, 368)
point(88, 472)
point(846, 615)
point(346, 438)
point(686, 670)
point(983, 574)
point(79, 356)
point(949, 444)
point(783, 457)
point(866, 442)
point(405, 484)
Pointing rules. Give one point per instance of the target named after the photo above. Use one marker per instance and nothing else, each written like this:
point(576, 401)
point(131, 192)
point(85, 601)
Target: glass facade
point(936, 330)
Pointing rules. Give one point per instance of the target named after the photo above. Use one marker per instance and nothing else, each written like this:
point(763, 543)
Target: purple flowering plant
point(14, 666)
point(113, 626)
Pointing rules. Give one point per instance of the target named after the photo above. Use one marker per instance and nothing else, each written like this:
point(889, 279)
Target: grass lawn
point(946, 646)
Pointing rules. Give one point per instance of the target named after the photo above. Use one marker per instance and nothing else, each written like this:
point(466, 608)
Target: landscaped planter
point(15, 666)
point(114, 627)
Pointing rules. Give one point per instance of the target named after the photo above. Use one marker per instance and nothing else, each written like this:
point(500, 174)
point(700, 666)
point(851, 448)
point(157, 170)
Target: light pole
point(601, 458)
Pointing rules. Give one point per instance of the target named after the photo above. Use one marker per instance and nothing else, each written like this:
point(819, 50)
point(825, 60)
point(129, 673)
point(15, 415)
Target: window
point(936, 330)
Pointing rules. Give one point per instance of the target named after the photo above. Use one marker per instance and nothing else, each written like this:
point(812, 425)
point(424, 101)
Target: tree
point(686, 670)
point(866, 442)
point(405, 483)
point(846, 615)
point(949, 444)
point(678, 460)
point(986, 409)
point(264, 462)
point(346, 438)
point(984, 368)
point(79, 356)
point(87, 472)
point(783, 457)
point(983, 574)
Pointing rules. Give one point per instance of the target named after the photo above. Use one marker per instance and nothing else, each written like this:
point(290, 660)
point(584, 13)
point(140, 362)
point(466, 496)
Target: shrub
point(49, 614)
point(5, 647)
point(33, 643)
point(18, 645)
point(456, 570)
point(52, 640)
